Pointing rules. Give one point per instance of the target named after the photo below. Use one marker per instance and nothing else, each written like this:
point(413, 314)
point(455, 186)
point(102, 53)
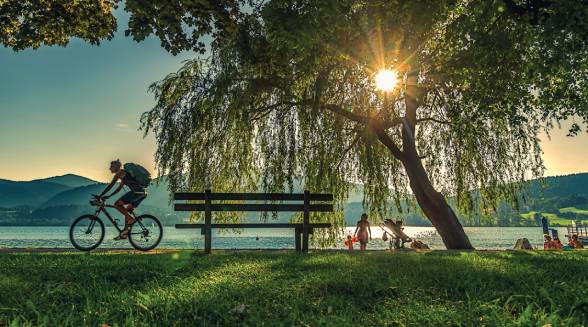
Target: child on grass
point(349, 242)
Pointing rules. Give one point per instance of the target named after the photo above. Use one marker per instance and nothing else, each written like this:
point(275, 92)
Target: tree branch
point(347, 114)
point(386, 139)
point(374, 124)
point(439, 121)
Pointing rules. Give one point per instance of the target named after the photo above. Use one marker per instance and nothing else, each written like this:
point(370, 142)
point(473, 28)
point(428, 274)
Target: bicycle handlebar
point(97, 200)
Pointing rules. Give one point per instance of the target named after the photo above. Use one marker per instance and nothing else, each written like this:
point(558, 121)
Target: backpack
point(139, 173)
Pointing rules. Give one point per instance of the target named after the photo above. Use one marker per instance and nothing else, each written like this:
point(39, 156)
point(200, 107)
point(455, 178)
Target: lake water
point(57, 237)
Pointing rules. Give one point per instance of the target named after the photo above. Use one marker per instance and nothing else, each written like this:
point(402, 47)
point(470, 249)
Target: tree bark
point(435, 206)
point(431, 202)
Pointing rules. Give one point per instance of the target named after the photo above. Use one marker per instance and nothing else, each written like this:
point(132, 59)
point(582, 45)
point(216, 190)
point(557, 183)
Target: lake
point(57, 237)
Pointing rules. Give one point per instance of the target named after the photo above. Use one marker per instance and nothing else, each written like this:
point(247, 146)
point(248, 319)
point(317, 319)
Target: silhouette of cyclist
point(130, 200)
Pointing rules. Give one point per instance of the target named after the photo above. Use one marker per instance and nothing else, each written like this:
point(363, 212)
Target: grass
point(554, 219)
point(575, 210)
point(281, 288)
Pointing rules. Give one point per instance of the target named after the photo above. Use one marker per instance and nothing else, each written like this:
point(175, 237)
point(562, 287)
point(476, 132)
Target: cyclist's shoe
point(123, 235)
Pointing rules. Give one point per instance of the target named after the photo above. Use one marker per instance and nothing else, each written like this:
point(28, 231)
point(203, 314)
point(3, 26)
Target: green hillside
point(75, 196)
point(32, 194)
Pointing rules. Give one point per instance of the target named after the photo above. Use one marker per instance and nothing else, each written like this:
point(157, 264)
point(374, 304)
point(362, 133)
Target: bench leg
point(207, 240)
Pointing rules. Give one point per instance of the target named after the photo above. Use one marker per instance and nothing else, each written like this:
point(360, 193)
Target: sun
point(386, 80)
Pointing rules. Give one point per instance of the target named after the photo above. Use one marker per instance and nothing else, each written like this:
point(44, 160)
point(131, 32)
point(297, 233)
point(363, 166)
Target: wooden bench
point(273, 202)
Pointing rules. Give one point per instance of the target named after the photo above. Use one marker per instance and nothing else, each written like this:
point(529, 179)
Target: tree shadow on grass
point(351, 288)
point(253, 288)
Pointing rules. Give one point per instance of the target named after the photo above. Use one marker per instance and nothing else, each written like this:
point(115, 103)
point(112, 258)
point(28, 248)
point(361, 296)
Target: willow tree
point(291, 93)
point(286, 91)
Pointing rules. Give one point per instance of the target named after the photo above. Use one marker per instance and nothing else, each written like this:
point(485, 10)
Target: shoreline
point(268, 250)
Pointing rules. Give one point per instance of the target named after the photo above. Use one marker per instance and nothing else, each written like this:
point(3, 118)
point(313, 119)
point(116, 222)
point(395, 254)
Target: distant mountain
point(158, 195)
point(31, 194)
point(70, 180)
point(74, 196)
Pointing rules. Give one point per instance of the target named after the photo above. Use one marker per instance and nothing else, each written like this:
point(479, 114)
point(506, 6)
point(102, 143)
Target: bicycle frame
point(102, 209)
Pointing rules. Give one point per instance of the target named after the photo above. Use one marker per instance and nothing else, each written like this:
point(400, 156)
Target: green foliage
point(287, 90)
point(320, 289)
point(291, 94)
point(180, 25)
point(30, 24)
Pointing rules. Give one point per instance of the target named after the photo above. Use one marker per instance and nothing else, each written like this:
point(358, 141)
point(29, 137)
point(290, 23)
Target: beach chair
point(547, 230)
point(395, 235)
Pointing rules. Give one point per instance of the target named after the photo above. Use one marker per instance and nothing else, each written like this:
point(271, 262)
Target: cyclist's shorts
point(134, 198)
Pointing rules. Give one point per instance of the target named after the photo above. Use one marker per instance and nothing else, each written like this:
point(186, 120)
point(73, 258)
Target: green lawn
point(574, 209)
point(554, 220)
point(281, 288)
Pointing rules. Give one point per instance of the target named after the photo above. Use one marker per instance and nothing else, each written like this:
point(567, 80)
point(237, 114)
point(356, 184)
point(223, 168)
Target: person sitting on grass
point(363, 226)
point(130, 200)
point(575, 242)
point(548, 243)
point(557, 243)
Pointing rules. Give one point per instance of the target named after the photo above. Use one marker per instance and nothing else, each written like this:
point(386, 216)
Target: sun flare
point(386, 80)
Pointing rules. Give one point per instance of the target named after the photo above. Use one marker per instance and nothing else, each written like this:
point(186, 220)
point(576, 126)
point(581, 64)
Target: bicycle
point(87, 232)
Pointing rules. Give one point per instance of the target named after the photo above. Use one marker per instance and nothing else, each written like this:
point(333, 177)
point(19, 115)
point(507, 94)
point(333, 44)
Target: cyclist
point(130, 200)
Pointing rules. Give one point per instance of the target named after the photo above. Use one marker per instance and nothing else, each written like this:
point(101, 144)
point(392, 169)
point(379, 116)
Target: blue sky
point(73, 109)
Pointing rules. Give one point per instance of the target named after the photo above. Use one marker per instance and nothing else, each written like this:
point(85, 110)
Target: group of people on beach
point(363, 234)
point(555, 243)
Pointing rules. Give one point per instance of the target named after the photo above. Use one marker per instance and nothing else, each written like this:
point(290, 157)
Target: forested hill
point(32, 193)
point(555, 186)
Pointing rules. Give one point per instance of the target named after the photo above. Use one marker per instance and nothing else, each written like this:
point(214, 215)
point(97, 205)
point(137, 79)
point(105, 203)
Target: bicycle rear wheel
point(145, 233)
point(86, 233)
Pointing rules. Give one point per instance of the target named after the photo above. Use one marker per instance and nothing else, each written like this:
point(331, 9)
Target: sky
point(74, 109)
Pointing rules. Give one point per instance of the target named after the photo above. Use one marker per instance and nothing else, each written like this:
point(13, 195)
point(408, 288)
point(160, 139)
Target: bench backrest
point(270, 204)
point(269, 199)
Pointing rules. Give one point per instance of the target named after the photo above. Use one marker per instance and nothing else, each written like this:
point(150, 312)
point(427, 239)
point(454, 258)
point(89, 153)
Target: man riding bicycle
point(130, 200)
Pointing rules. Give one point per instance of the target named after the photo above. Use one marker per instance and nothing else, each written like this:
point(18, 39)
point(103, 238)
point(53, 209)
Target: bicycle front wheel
point(145, 233)
point(86, 233)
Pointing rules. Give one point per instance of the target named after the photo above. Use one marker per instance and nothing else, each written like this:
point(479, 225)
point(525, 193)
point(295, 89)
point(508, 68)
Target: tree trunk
point(431, 202)
point(435, 206)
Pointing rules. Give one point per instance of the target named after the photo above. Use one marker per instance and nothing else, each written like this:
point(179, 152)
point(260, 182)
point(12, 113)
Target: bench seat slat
point(253, 225)
point(252, 196)
point(270, 207)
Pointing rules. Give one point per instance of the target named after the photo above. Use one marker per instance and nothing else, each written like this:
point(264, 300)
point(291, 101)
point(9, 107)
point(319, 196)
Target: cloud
point(121, 125)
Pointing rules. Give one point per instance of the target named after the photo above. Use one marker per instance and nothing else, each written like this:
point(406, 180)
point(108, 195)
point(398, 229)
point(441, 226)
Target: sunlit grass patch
point(553, 219)
point(280, 287)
